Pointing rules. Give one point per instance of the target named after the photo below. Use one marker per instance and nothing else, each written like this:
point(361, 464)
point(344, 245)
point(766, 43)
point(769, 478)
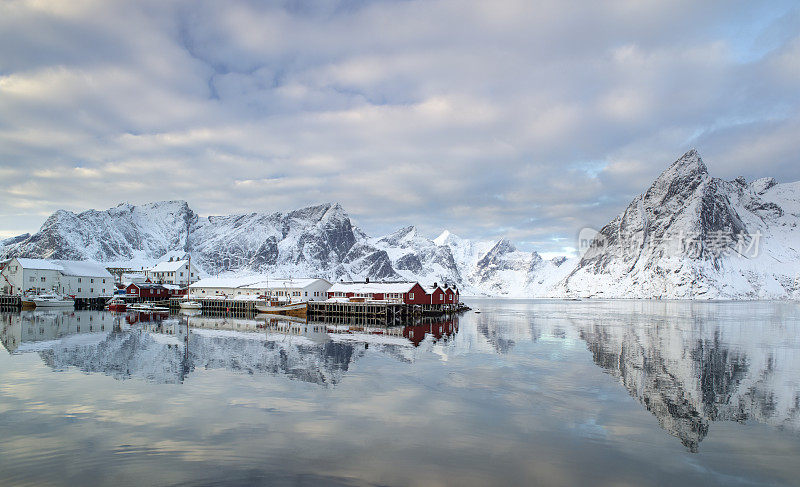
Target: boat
point(116, 304)
point(191, 305)
point(148, 307)
point(27, 302)
point(283, 308)
point(52, 301)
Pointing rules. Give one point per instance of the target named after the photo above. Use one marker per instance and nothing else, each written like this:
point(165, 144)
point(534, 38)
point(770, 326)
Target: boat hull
point(61, 303)
point(298, 310)
point(149, 309)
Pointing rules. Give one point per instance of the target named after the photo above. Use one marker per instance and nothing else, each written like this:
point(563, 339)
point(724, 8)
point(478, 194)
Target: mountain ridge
point(687, 236)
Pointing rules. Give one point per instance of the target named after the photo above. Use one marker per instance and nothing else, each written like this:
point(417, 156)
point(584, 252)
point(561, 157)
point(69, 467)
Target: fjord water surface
point(524, 392)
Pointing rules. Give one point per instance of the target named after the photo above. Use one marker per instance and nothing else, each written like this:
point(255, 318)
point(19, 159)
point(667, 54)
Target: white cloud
point(475, 116)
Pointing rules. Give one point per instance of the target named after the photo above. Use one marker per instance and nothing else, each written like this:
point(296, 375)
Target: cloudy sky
point(511, 118)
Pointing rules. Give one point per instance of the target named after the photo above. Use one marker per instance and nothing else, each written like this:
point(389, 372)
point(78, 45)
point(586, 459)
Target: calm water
point(524, 392)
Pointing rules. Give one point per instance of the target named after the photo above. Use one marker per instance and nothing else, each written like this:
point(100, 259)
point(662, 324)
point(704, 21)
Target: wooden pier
point(336, 312)
point(219, 305)
point(362, 313)
point(8, 301)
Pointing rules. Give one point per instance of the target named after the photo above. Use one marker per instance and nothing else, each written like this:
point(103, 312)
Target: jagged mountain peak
point(688, 163)
point(681, 178)
point(442, 238)
point(408, 235)
point(319, 212)
point(693, 236)
point(503, 246)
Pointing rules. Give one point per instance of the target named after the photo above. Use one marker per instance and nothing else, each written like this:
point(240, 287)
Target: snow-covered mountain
point(314, 241)
point(125, 232)
point(688, 236)
point(691, 236)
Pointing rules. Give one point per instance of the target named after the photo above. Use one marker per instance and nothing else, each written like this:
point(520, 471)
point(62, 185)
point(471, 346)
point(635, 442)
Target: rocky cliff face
point(693, 236)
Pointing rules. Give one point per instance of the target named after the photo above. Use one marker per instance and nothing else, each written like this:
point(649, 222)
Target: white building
point(244, 287)
point(80, 279)
point(172, 272)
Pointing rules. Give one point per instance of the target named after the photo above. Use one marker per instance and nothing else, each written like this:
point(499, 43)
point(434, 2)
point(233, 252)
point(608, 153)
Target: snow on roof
point(254, 282)
point(289, 283)
point(228, 281)
point(81, 268)
point(39, 264)
point(431, 289)
point(168, 266)
point(372, 287)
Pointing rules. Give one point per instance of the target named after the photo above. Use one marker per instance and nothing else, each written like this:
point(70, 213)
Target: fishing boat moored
point(116, 304)
point(150, 307)
point(191, 305)
point(52, 301)
point(283, 308)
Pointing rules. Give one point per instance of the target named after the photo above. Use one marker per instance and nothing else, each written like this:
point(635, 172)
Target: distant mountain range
point(688, 236)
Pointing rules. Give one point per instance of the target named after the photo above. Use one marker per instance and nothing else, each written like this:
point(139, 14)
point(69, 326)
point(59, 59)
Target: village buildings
point(175, 272)
point(251, 287)
point(79, 279)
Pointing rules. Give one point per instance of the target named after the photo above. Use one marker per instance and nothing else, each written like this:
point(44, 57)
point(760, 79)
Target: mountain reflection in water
point(688, 364)
point(166, 349)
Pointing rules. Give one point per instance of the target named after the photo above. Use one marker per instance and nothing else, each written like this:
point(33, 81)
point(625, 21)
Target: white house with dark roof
point(81, 279)
point(172, 272)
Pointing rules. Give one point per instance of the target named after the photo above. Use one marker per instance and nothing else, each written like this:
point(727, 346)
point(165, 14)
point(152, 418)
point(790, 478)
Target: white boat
point(52, 301)
point(191, 305)
point(147, 307)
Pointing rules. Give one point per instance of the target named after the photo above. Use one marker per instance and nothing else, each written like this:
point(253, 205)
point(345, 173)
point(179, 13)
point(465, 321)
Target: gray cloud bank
point(515, 118)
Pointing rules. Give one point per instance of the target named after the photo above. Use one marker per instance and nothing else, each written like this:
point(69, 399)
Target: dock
point(363, 313)
point(10, 302)
point(237, 306)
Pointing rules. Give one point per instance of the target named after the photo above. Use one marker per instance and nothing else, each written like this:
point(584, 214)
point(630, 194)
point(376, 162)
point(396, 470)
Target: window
point(91, 290)
point(91, 281)
point(410, 295)
point(104, 281)
point(181, 274)
point(79, 280)
point(79, 289)
point(42, 279)
point(32, 279)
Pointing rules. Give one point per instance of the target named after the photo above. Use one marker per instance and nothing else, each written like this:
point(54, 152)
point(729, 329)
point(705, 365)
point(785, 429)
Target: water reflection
point(167, 348)
point(689, 365)
point(689, 376)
